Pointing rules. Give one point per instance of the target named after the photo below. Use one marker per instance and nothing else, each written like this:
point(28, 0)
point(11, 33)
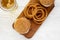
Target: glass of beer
point(8, 5)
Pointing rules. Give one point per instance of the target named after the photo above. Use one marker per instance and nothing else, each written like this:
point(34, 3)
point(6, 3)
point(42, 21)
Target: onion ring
point(30, 9)
point(40, 15)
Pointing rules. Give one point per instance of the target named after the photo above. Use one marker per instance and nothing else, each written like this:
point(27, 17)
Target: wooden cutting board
point(34, 26)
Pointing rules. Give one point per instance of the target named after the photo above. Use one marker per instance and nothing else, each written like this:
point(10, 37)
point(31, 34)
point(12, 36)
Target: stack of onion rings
point(36, 12)
point(40, 15)
point(30, 9)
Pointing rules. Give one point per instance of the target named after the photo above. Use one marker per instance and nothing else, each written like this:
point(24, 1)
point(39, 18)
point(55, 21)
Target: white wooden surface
point(49, 30)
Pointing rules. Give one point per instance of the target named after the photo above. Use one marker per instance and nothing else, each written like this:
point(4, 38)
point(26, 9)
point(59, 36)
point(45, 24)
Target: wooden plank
point(34, 26)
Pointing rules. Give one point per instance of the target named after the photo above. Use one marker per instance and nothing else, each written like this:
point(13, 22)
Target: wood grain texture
point(34, 26)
